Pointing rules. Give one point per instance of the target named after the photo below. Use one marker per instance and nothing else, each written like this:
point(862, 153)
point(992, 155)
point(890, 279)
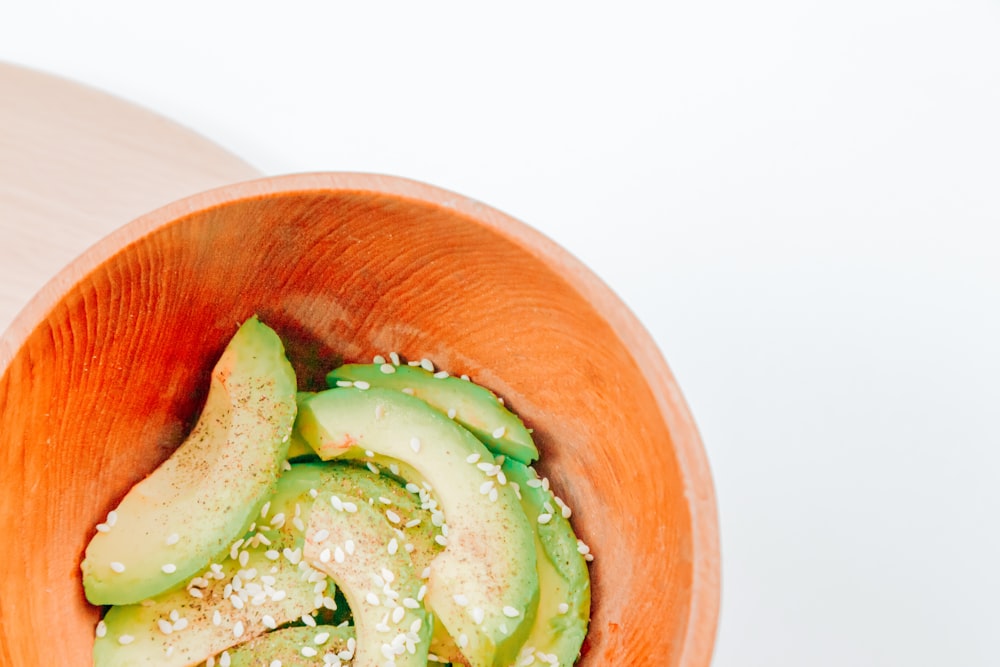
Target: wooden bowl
point(103, 373)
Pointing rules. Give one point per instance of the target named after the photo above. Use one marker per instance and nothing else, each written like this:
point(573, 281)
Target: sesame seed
point(338, 554)
point(511, 612)
point(397, 614)
point(361, 384)
point(440, 375)
point(394, 358)
point(408, 391)
point(165, 626)
point(493, 495)
point(422, 592)
point(441, 539)
point(486, 487)
point(285, 465)
point(500, 432)
point(103, 528)
point(308, 651)
point(460, 600)
point(410, 603)
point(117, 567)
point(216, 617)
point(102, 629)
point(392, 516)
point(173, 538)
point(124, 640)
point(272, 554)
point(309, 620)
point(244, 558)
point(275, 663)
point(238, 629)
point(371, 466)
point(321, 638)
point(393, 546)
point(112, 518)
point(344, 383)
point(224, 659)
point(473, 458)
point(394, 469)
point(544, 518)
point(563, 607)
point(324, 556)
point(462, 640)
point(581, 547)
point(349, 547)
point(452, 412)
point(427, 365)
point(534, 483)
point(268, 622)
point(415, 444)
point(236, 601)
point(169, 568)
point(372, 598)
point(196, 593)
point(478, 615)
point(387, 368)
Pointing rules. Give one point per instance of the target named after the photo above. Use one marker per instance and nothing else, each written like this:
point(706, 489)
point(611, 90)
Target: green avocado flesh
point(563, 577)
point(484, 586)
point(297, 646)
point(238, 596)
point(172, 523)
point(384, 593)
point(473, 406)
point(405, 496)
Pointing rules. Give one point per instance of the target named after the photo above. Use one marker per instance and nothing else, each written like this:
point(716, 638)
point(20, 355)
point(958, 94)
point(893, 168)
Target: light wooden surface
point(76, 164)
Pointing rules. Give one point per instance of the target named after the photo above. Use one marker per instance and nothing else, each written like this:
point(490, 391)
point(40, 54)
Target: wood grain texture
point(105, 369)
point(76, 164)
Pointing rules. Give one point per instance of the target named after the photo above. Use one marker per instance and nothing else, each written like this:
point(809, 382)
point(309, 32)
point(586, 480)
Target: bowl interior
point(107, 370)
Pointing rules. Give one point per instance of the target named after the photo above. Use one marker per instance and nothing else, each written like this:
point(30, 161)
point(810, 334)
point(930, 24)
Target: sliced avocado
point(259, 582)
point(299, 449)
point(473, 406)
point(172, 523)
point(563, 577)
point(354, 543)
point(484, 585)
point(300, 646)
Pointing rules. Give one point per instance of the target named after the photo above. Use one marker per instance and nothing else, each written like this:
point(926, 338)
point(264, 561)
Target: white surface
point(801, 201)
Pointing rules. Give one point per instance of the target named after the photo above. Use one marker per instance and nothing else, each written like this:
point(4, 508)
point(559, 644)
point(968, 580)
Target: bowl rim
point(702, 621)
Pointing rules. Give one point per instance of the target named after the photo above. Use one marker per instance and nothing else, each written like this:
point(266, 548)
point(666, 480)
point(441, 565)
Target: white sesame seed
point(378, 359)
point(441, 539)
point(344, 383)
point(544, 518)
point(180, 624)
point(321, 638)
point(224, 659)
point(410, 603)
point(394, 469)
point(460, 600)
point(394, 358)
point(422, 592)
point(349, 547)
point(275, 663)
point(102, 629)
point(415, 445)
point(478, 615)
point(324, 556)
point(441, 375)
point(473, 458)
point(238, 629)
point(387, 368)
point(493, 495)
point(117, 567)
point(244, 558)
point(361, 384)
point(236, 601)
point(196, 593)
point(285, 465)
point(427, 365)
point(371, 466)
point(563, 607)
point(173, 538)
point(216, 617)
point(588, 557)
point(338, 554)
point(452, 412)
point(581, 547)
point(165, 626)
point(112, 518)
point(103, 528)
point(268, 622)
point(397, 614)
point(309, 620)
point(308, 651)
point(272, 554)
point(534, 483)
point(392, 516)
point(372, 598)
point(462, 640)
point(169, 568)
point(485, 487)
point(124, 640)
point(500, 432)
point(393, 546)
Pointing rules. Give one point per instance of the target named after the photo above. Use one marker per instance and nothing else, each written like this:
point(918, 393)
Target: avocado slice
point(298, 646)
point(354, 543)
point(563, 576)
point(484, 585)
point(258, 583)
point(473, 406)
point(169, 525)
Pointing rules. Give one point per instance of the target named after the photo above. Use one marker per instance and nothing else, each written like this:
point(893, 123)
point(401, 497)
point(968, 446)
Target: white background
point(799, 199)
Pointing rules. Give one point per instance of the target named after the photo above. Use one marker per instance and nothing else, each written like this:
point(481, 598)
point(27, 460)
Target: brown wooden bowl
point(103, 373)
